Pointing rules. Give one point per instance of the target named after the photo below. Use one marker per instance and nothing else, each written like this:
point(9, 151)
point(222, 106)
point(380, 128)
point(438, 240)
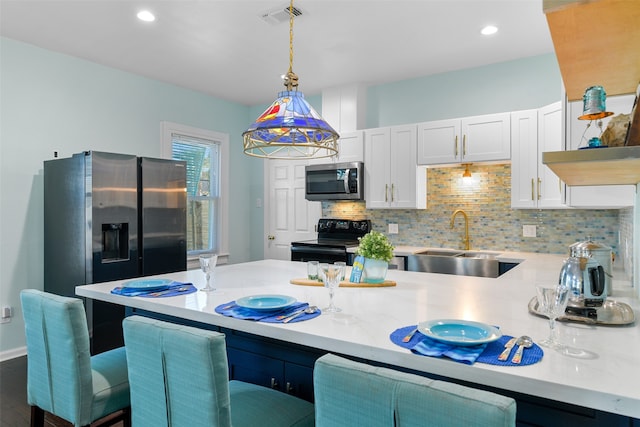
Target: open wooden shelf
point(598, 166)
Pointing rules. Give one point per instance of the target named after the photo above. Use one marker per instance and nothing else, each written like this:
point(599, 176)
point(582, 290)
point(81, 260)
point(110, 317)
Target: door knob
point(270, 237)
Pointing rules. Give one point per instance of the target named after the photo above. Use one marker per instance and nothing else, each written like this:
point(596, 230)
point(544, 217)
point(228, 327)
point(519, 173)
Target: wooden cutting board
point(343, 284)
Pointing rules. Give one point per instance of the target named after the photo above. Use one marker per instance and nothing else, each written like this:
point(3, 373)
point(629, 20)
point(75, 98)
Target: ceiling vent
point(279, 15)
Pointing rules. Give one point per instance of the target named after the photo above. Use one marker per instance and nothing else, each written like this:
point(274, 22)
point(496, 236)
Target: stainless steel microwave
point(335, 181)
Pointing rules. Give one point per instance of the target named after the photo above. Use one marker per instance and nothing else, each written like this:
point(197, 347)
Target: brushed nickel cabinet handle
point(386, 192)
point(539, 188)
point(392, 191)
point(464, 145)
point(456, 146)
point(533, 197)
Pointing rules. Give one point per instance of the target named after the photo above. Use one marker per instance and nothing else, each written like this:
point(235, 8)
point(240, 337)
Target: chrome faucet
point(466, 240)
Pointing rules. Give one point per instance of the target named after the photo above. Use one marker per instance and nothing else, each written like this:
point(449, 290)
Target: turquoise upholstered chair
point(62, 377)
point(349, 393)
point(179, 377)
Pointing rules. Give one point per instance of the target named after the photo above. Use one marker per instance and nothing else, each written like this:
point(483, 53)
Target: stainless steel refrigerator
point(108, 217)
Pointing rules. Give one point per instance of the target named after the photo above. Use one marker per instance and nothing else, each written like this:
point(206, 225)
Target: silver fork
point(410, 335)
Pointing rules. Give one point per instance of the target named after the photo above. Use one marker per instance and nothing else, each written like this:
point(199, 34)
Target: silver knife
point(168, 291)
point(507, 349)
point(284, 316)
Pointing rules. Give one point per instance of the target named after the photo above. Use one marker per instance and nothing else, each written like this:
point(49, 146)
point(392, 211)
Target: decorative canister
point(594, 104)
point(602, 253)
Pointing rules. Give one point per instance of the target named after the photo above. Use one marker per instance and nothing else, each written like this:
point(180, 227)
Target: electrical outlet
point(7, 314)
point(393, 228)
point(529, 231)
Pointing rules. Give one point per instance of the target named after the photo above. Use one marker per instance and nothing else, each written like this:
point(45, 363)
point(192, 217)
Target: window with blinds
point(203, 189)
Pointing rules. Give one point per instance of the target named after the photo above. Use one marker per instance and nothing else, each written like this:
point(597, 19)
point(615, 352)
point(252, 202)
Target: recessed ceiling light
point(146, 16)
point(488, 30)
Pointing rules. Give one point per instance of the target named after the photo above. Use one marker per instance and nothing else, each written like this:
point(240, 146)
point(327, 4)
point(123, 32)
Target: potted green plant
point(377, 250)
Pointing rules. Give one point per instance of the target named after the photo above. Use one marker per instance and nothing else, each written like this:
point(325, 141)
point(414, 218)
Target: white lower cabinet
point(393, 178)
point(578, 135)
point(534, 185)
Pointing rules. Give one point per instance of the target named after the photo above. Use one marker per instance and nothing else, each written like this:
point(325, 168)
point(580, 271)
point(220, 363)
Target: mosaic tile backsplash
point(493, 225)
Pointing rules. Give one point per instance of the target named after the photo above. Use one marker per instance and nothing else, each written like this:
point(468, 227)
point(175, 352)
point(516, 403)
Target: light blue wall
point(50, 101)
point(507, 86)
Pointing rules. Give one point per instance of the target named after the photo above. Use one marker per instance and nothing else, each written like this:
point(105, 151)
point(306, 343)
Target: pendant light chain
point(291, 79)
point(290, 128)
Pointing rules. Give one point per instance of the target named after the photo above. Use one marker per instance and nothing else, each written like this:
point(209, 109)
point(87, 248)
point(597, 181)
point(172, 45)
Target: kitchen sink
point(459, 253)
point(442, 252)
point(464, 263)
point(484, 255)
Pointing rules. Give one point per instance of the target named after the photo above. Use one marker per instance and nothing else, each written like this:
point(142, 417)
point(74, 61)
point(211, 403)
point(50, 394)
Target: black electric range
point(335, 236)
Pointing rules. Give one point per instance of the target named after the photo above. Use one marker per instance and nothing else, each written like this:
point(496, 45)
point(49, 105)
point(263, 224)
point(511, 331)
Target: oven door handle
point(323, 250)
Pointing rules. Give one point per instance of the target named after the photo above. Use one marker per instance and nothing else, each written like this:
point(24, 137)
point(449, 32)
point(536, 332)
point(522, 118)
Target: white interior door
point(289, 216)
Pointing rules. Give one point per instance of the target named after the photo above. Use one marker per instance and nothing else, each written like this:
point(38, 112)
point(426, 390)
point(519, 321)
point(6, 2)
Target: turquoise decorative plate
point(459, 332)
point(147, 284)
point(265, 302)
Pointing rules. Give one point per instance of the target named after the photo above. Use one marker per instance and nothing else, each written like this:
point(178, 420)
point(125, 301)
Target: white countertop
point(606, 376)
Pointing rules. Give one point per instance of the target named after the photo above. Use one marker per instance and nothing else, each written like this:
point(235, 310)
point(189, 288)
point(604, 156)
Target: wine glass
point(208, 262)
point(331, 275)
point(552, 301)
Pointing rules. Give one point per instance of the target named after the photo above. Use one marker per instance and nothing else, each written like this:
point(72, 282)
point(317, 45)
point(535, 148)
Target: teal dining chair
point(62, 376)
point(355, 394)
point(179, 376)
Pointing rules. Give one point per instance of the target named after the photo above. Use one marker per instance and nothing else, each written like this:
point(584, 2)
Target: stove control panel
point(344, 226)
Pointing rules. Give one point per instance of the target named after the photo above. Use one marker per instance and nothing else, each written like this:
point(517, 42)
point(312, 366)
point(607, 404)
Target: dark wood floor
point(14, 410)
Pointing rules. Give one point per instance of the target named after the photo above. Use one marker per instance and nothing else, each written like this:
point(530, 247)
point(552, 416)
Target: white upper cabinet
point(439, 142)
point(392, 177)
point(466, 140)
point(350, 149)
point(578, 135)
point(534, 185)
point(550, 132)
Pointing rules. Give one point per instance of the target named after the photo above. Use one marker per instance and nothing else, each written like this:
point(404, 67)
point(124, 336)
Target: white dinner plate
point(265, 302)
point(148, 284)
point(459, 332)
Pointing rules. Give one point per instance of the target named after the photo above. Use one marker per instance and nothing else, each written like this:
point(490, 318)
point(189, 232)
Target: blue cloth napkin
point(484, 353)
point(232, 310)
point(172, 289)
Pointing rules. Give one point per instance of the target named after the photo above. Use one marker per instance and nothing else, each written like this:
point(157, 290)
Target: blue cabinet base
point(289, 368)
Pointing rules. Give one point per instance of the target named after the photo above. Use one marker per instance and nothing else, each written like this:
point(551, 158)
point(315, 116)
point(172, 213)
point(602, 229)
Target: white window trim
point(169, 128)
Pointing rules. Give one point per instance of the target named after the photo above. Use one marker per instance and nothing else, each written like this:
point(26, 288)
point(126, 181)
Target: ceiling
point(226, 49)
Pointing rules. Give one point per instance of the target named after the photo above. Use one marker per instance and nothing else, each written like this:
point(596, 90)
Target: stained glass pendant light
point(290, 128)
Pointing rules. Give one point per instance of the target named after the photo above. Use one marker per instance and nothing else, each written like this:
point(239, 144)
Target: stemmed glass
point(331, 275)
point(207, 264)
point(552, 302)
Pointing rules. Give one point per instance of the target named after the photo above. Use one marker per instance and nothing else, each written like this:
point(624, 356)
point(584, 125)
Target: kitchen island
point(602, 373)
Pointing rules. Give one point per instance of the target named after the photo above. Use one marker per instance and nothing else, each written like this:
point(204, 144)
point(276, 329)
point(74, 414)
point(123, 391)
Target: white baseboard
point(12, 354)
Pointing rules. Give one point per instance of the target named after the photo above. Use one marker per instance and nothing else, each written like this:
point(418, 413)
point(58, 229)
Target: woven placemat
point(488, 353)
